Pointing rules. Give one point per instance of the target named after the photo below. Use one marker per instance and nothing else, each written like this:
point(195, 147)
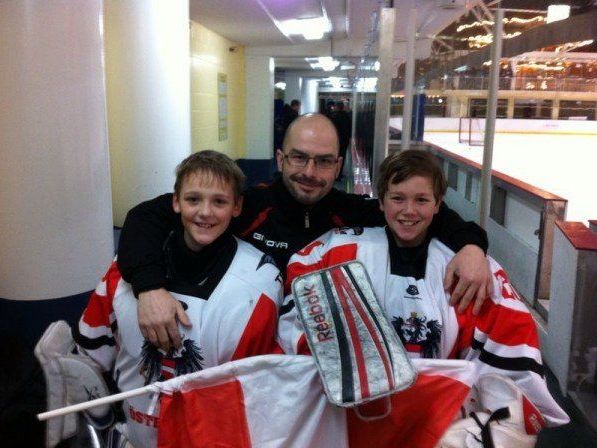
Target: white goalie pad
point(70, 378)
point(84, 382)
point(358, 353)
point(56, 341)
point(496, 419)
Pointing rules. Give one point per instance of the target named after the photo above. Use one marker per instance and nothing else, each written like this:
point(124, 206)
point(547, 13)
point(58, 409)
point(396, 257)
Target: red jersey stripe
point(336, 255)
point(97, 313)
point(259, 335)
point(490, 321)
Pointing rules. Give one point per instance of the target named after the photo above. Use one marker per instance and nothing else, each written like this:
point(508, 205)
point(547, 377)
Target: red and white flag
point(278, 401)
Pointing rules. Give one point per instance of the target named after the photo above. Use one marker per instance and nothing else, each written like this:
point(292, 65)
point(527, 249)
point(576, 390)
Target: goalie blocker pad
point(357, 352)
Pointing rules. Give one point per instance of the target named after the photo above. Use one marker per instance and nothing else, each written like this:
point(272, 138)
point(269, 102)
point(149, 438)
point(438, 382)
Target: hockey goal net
point(471, 131)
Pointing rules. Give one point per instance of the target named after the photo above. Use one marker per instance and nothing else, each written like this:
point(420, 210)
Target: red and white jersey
point(237, 320)
point(408, 283)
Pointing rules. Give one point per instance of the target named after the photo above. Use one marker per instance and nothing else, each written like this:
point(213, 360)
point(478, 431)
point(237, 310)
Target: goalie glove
point(497, 418)
point(70, 379)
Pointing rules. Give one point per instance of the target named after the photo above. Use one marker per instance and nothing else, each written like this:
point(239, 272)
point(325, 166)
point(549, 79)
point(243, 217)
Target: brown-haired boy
point(406, 267)
point(229, 290)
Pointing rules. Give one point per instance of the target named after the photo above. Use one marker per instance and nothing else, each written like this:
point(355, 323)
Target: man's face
point(206, 206)
point(309, 183)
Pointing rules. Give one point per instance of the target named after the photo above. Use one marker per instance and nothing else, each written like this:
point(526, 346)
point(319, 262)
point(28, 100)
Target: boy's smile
point(206, 206)
point(409, 207)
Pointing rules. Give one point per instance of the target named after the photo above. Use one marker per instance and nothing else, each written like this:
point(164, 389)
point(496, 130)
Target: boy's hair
point(214, 163)
point(402, 165)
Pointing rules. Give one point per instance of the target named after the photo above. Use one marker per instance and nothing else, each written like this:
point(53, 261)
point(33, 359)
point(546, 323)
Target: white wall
point(148, 82)
point(56, 215)
point(259, 115)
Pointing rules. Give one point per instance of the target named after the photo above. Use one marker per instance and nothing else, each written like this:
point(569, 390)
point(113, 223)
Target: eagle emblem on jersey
point(419, 335)
point(159, 365)
point(349, 231)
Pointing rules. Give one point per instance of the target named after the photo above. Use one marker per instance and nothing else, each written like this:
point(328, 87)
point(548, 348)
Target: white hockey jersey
point(408, 282)
point(236, 321)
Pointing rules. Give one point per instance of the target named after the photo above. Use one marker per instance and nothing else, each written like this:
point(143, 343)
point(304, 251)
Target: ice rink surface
point(565, 165)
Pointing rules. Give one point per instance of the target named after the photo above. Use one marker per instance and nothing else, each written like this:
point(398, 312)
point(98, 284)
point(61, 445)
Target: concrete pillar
point(464, 112)
point(453, 106)
point(555, 110)
point(510, 110)
point(293, 87)
point(56, 218)
point(309, 98)
point(409, 78)
point(148, 81)
point(259, 122)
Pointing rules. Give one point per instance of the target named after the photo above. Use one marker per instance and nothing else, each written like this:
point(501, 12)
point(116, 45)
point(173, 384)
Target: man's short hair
point(213, 163)
point(295, 103)
point(403, 165)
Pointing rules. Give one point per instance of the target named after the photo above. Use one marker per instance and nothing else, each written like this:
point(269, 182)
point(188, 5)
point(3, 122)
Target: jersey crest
point(159, 365)
point(419, 335)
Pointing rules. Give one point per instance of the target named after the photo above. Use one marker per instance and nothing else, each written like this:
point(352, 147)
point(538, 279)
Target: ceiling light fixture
point(311, 29)
point(326, 63)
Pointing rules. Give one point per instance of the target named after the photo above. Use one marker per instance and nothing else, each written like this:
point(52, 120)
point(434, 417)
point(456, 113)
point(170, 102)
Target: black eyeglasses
point(298, 160)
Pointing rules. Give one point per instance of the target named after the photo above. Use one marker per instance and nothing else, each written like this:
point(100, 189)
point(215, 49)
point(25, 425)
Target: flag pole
point(155, 387)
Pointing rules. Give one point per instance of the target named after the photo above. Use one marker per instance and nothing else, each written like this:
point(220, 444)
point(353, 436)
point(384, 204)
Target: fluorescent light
point(557, 12)
point(280, 85)
point(311, 29)
point(335, 81)
point(462, 68)
point(326, 63)
point(347, 67)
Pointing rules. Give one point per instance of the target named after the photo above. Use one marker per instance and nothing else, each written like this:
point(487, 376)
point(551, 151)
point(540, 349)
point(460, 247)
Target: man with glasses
point(281, 219)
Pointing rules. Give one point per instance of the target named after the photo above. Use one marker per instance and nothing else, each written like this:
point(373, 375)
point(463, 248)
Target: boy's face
point(409, 207)
point(206, 207)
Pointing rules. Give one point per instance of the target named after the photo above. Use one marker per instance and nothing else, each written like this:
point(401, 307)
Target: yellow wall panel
point(211, 54)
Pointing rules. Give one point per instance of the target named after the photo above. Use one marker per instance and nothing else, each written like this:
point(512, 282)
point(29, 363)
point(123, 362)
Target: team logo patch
point(419, 335)
point(412, 290)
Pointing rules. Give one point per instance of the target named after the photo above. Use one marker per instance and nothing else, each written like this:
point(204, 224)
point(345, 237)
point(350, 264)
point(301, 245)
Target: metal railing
point(516, 83)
